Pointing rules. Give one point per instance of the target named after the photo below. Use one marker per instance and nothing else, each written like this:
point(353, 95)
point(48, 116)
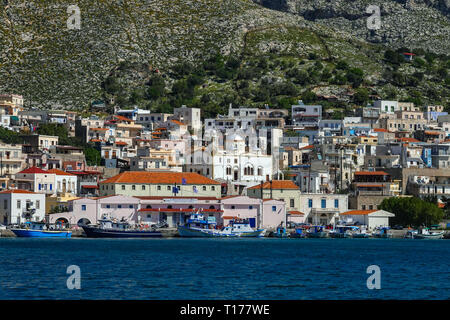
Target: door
point(252, 222)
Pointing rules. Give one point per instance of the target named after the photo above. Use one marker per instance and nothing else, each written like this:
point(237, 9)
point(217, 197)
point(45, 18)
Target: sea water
point(181, 268)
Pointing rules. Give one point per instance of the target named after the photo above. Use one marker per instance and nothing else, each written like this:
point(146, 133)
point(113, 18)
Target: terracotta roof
point(408, 140)
point(16, 191)
point(307, 147)
point(296, 213)
point(178, 122)
point(433, 133)
point(159, 178)
point(60, 172)
point(380, 130)
point(358, 212)
point(98, 129)
point(277, 184)
point(122, 118)
point(121, 143)
point(33, 170)
point(371, 173)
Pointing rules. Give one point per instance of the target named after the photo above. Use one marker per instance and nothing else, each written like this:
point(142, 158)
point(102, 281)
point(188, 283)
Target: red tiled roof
point(16, 191)
point(121, 143)
point(358, 212)
point(178, 122)
point(407, 140)
point(307, 147)
point(277, 184)
point(33, 170)
point(159, 178)
point(296, 213)
point(380, 130)
point(60, 172)
point(371, 173)
point(122, 118)
point(87, 186)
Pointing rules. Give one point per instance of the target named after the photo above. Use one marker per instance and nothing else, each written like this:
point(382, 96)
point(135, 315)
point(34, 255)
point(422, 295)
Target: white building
point(64, 182)
point(306, 115)
point(386, 106)
point(190, 117)
point(36, 180)
point(370, 218)
point(322, 208)
point(15, 204)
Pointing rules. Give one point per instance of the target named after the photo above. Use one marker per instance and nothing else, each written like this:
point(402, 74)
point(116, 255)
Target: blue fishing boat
point(198, 226)
point(41, 230)
point(382, 232)
point(280, 232)
point(317, 232)
point(343, 231)
point(298, 233)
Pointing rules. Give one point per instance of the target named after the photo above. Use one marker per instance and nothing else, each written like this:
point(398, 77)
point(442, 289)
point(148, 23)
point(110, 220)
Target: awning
point(89, 187)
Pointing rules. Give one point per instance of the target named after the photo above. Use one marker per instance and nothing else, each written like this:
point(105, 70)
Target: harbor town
point(253, 172)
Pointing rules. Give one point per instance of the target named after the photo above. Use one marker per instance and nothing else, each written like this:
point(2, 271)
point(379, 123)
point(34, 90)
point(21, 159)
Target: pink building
point(175, 211)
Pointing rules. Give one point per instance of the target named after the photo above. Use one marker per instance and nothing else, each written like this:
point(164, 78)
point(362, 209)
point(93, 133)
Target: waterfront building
point(142, 183)
point(370, 218)
point(18, 205)
point(320, 208)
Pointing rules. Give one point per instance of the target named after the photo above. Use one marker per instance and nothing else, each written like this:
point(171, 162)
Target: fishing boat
point(342, 231)
point(382, 232)
point(360, 233)
point(316, 232)
point(424, 233)
point(410, 234)
point(280, 232)
point(108, 228)
point(199, 225)
point(298, 233)
point(41, 230)
point(240, 228)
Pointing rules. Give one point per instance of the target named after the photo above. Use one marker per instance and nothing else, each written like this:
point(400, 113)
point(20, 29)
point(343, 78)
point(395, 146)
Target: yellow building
point(62, 201)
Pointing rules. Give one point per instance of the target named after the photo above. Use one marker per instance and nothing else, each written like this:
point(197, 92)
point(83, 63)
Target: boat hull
point(184, 231)
point(27, 233)
point(94, 232)
point(317, 235)
point(360, 235)
point(436, 236)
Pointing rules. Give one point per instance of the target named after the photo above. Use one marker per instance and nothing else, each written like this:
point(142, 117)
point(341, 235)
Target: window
point(233, 207)
point(130, 206)
point(5, 204)
point(38, 204)
point(18, 204)
point(250, 207)
point(292, 203)
point(123, 187)
point(213, 188)
point(83, 207)
point(108, 206)
point(364, 207)
point(310, 203)
point(168, 188)
point(119, 206)
point(274, 208)
point(336, 203)
point(323, 203)
point(159, 188)
point(204, 188)
point(133, 187)
point(143, 187)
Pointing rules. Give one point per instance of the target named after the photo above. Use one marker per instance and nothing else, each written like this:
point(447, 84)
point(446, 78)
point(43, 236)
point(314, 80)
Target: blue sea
point(224, 268)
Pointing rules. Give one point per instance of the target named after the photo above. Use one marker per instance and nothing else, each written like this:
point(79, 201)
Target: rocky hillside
point(159, 54)
point(408, 23)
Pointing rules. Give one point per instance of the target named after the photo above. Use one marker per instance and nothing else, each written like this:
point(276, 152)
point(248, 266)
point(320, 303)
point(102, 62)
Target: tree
point(412, 211)
point(93, 156)
point(361, 96)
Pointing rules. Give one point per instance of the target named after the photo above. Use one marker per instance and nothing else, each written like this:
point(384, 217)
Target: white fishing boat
point(424, 233)
point(200, 226)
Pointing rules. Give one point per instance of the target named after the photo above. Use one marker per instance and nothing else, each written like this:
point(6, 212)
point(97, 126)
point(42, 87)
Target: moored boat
point(342, 231)
point(108, 228)
point(40, 230)
point(316, 232)
point(382, 232)
point(426, 234)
